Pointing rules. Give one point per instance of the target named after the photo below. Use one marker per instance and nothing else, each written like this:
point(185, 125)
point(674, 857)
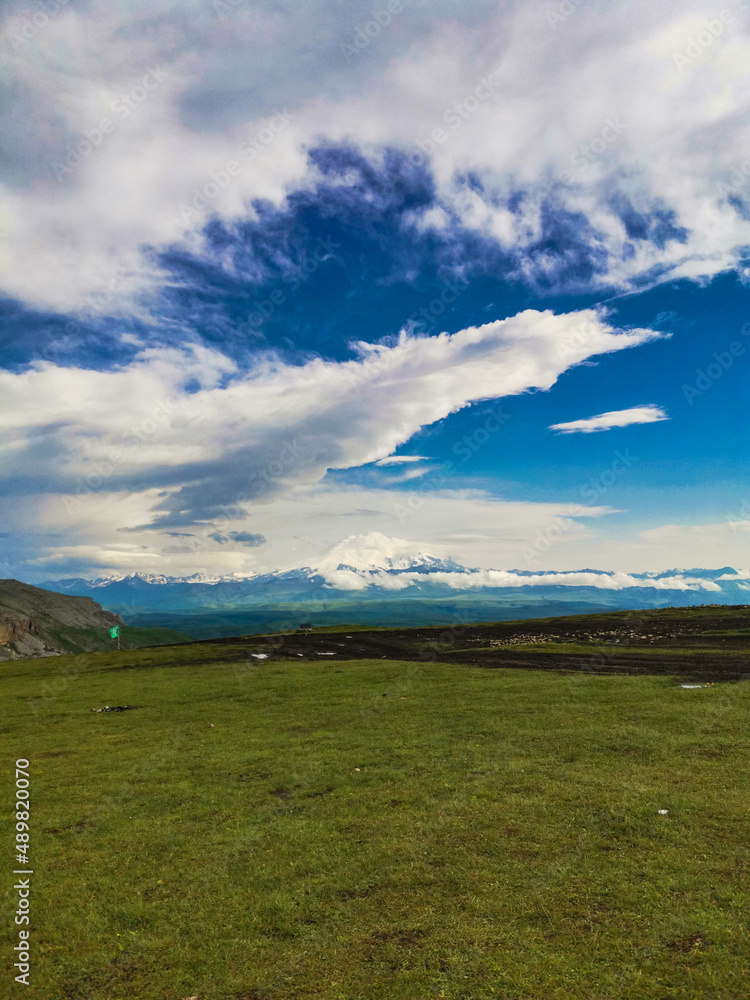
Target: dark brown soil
point(703, 644)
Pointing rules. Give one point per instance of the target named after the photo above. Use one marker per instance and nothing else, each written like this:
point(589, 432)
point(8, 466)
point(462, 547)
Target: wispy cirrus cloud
point(615, 418)
point(401, 459)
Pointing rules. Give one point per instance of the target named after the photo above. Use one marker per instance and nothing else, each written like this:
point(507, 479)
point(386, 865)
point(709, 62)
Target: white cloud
point(615, 418)
point(353, 580)
point(304, 527)
point(669, 545)
point(592, 113)
point(376, 560)
point(677, 138)
point(741, 574)
point(277, 425)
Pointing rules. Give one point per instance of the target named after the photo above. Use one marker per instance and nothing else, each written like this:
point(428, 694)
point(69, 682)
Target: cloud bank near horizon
point(348, 579)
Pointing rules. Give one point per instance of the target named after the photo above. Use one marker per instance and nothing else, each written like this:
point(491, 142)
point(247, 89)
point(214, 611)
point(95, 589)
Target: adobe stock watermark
point(469, 445)
point(446, 639)
point(401, 684)
point(738, 520)
point(590, 492)
point(130, 783)
point(104, 469)
point(572, 344)
point(223, 8)
point(366, 33)
point(697, 44)
point(248, 150)
point(243, 668)
point(32, 23)
point(372, 367)
point(5, 222)
point(582, 159)
point(601, 659)
point(437, 306)
point(707, 377)
point(50, 689)
point(288, 456)
point(81, 148)
point(324, 250)
point(59, 344)
point(458, 112)
point(738, 180)
point(590, 153)
point(560, 12)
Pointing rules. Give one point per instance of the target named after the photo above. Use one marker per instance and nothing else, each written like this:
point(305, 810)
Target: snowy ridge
point(377, 567)
point(158, 579)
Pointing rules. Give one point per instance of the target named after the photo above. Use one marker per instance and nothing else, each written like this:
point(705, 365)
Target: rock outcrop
point(37, 622)
point(11, 629)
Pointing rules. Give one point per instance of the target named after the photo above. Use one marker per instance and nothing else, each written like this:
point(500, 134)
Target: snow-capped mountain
point(374, 567)
point(136, 579)
point(348, 564)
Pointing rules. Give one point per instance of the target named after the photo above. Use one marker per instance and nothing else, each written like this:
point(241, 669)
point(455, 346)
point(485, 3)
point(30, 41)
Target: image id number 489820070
point(23, 885)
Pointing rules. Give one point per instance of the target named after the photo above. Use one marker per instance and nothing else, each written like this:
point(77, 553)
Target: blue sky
point(272, 279)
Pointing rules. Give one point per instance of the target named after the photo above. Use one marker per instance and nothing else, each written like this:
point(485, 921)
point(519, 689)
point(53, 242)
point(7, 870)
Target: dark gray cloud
point(243, 537)
point(247, 538)
point(196, 516)
point(332, 47)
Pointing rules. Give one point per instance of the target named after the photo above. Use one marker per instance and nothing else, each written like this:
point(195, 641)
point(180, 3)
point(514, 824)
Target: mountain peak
point(375, 551)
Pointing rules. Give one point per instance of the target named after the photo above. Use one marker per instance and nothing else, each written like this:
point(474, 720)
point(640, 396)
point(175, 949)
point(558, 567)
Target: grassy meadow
point(363, 830)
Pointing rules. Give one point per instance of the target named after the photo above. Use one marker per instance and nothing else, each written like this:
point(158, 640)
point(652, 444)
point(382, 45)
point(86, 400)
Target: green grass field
point(373, 829)
point(81, 640)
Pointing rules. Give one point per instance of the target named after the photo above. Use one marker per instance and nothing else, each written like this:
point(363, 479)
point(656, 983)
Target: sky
point(468, 279)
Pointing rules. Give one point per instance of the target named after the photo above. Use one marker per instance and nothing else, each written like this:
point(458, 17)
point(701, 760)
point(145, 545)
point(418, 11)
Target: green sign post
point(114, 633)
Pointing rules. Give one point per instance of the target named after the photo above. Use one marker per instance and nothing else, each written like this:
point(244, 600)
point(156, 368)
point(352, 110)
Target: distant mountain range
point(368, 570)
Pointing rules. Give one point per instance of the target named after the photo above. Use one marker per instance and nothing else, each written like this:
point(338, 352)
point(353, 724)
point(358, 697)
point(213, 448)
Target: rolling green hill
point(212, 623)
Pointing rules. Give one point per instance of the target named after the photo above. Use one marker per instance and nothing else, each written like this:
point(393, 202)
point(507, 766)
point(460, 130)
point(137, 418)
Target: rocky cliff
point(37, 622)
